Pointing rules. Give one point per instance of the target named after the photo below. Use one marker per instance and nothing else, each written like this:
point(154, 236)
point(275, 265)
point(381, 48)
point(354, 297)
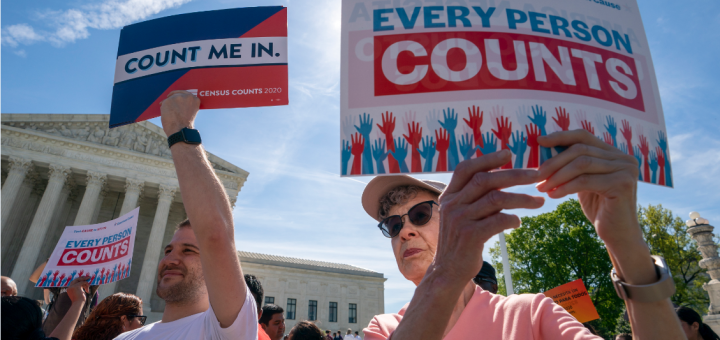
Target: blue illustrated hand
point(427, 152)
point(379, 154)
point(662, 142)
point(450, 124)
point(653, 166)
point(518, 148)
point(638, 156)
point(611, 128)
point(466, 146)
point(400, 153)
point(346, 154)
point(623, 148)
point(539, 118)
point(489, 144)
point(366, 125)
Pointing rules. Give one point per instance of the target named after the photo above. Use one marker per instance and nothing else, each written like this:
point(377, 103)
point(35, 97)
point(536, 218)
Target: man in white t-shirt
point(349, 335)
point(200, 277)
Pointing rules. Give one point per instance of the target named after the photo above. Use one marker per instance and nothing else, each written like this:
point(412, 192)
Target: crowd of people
point(436, 232)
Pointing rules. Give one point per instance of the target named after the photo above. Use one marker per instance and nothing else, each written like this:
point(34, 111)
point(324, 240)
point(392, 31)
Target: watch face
point(191, 136)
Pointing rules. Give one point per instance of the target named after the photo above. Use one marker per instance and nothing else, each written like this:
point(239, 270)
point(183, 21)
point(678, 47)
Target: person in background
point(7, 286)
point(623, 336)
point(327, 335)
point(22, 317)
point(486, 278)
point(305, 330)
point(357, 336)
point(693, 325)
point(349, 335)
point(272, 321)
point(334, 335)
point(114, 315)
point(338, 336)
point(257, 291)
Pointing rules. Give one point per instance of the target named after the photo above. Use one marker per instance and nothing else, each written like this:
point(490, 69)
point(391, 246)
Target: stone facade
point(286, 278)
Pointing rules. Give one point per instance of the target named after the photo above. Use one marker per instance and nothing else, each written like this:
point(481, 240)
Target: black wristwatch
point(190, 136)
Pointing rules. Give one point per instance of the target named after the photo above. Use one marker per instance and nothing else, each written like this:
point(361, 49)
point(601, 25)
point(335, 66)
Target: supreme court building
point(71, 169)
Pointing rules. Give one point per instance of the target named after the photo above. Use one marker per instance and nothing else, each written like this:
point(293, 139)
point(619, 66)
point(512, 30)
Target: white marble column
point(133, 189)
point(95, 183)
point(148, 274)
point(12, 231)
point(18, 170)
point(98, 205)
point(29, 252)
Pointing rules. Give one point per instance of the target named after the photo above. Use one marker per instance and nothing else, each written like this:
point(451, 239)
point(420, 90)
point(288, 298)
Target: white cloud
point(73, 24)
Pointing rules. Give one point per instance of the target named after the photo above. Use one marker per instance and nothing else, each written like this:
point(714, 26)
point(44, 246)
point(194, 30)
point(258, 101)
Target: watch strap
point(175, 137)
point(660, 290)
point(181, 136)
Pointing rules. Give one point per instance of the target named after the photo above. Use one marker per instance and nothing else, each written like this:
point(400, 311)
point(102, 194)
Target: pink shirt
point(526, 316)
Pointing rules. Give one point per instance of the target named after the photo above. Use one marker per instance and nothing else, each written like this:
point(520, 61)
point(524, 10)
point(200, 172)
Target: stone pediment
point(143, 137)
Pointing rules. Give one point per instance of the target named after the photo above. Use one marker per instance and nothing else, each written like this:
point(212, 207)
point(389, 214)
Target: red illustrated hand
point(645, 150)
point(608, 138)
point(661, 165)
point(533, 132)
point(387, 128)
point(415, 132)
point(503, 133)
point(627, 134)
point(563, 118)
point(358, 145)
point(443, 142)
point(475, 122)
point(587, 126)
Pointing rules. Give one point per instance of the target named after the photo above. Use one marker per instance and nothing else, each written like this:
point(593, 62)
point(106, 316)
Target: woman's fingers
point(467, 169)
point(581, 165)
point(567, 138)
point(496, 201)
point(599, 183)
point(483, 182)
point(575, 151)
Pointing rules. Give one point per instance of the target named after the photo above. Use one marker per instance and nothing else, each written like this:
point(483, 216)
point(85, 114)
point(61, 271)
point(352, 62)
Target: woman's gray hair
point(399, 196)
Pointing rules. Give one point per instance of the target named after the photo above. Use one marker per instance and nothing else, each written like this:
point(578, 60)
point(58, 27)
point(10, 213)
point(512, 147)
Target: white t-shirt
point(202, 326)
point(349, 337)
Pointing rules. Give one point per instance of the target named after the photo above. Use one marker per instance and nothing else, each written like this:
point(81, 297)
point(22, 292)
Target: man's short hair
point(306, 330)
point(399, 196)
point(256, 290)
point(183, 224)
point(356, 333)
point(268, 311)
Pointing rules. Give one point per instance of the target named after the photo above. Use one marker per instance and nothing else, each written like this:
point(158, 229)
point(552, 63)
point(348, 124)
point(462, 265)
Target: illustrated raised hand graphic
point(387, 128)
point(611, 128)
point(346, 154)
point(42, 281)
point(661, 165)
point(414, 138)
point(587, 126)
point(365, 128)
point(428, 153)
point(539, 118)
point(627, 134)
point(662, 142)
point(443, 142)
point(357, 150)
point(96, 276)
point(503, 133)
point(637, 155)
point(62, 279)
point(653, 166)
point(533, 132)
point(475, 123)
point(563, 118)
point(645, 150)
point(489, 143)
point(466, 146)
point(400, 154)
point(607, 138)
point(449, 124)
point(518, 148)
point(379, 154)
point(72, 275)
point(623, 148)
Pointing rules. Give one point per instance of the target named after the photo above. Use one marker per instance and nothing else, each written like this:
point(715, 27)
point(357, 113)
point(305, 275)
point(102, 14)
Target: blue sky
point(59, 57)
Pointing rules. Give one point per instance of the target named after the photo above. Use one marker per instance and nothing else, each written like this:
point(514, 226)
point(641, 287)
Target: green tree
point(555, 248)
point(667, 236)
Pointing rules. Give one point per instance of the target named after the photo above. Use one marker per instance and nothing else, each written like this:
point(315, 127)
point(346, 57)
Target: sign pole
point(506, 265)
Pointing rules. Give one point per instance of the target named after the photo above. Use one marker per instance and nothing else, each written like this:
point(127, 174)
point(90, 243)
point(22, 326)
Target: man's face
point(7, 286)
point(414, 247)
point(275, 328)
point(488, 286)
point(180, 275)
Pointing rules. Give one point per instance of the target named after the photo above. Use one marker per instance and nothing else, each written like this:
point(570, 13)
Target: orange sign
point(575, 299)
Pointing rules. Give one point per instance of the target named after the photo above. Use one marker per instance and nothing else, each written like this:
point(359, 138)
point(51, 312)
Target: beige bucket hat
point(380, 185)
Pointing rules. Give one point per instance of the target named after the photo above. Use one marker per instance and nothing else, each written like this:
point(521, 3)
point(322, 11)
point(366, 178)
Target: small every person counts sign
point(228, 58)
point(573, 296)
point(102, 251)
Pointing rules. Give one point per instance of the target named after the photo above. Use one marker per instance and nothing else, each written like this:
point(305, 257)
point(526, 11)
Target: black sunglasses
point(419, 214)
point(142, 318)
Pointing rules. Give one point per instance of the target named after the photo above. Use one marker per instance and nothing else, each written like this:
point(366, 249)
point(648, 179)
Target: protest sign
point(575, 299)
point(228, 58)
point(102, 251)
point(426, 86)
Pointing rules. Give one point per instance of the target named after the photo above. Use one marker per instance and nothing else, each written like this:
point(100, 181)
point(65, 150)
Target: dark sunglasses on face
point(419, 214)
point(142, 318)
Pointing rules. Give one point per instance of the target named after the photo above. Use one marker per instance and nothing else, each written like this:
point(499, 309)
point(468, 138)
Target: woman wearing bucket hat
point(437, 234)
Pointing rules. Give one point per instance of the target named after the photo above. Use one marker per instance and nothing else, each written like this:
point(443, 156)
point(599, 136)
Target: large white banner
point(102, 251)
point(428, 84)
